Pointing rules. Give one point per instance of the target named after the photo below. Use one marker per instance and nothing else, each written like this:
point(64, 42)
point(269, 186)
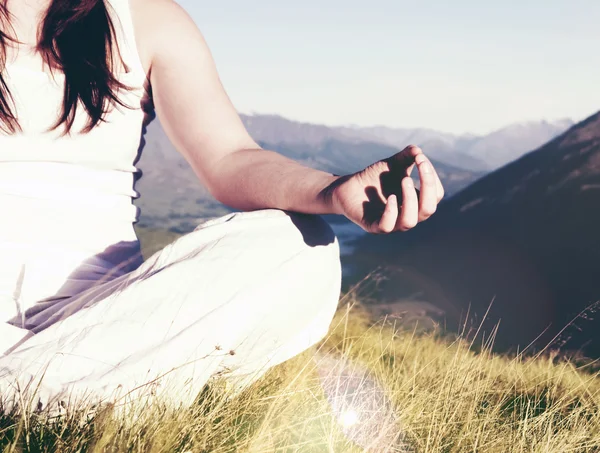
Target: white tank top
point(66, 201)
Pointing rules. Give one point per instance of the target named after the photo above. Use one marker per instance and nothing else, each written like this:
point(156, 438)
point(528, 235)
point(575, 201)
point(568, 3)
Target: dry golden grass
point(368, 387)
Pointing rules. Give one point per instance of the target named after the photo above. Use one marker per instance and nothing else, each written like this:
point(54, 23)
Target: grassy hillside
point(369, 387)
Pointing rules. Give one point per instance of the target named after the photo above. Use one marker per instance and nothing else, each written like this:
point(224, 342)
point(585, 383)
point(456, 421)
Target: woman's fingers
point(429, 197)
point(409, 213)
point(390, 215)
point(438, 185)
point(410, 153)
point(403, 162)
point(415, 207)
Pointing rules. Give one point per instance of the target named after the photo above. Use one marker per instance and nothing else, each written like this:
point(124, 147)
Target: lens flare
point(360, 405)
point(349, 418)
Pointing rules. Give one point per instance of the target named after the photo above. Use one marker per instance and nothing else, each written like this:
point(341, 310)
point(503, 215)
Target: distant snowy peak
point(513, 141)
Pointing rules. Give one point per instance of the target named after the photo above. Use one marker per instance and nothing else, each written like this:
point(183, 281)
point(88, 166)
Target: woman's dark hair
point(78, 38)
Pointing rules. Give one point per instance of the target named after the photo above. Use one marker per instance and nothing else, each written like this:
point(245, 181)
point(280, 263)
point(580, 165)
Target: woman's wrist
point(328, 194)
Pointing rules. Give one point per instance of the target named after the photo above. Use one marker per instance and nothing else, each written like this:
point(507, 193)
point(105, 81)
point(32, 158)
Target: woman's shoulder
point(156, 22)
point(157, 15)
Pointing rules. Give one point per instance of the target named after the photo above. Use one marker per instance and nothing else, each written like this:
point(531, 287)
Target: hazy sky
point(458, 66)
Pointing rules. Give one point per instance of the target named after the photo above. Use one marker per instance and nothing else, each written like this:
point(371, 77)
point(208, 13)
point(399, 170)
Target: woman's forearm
point(252, 179)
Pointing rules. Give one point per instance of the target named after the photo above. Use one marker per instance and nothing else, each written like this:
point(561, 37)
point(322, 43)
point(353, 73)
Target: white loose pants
point(233, 298)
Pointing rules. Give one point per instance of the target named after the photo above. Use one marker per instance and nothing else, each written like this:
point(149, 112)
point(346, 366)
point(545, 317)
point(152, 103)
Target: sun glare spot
point(349, 418)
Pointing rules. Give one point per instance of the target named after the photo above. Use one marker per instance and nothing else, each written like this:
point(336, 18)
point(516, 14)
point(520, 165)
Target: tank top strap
point(120, 11)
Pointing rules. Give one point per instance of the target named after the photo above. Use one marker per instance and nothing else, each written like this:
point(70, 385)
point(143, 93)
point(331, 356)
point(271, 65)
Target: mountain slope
point(526, 236)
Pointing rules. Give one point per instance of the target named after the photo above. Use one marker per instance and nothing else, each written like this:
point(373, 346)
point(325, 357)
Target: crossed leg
point(238, 295)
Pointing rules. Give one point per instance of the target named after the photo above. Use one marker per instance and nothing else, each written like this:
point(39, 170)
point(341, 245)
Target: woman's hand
point(382, 198)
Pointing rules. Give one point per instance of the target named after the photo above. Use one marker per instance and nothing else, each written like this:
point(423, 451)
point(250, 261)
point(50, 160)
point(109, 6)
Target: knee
point(286, 231)
point(320, 243)
point(315, 231)
point(306, 240)
point(312, 237)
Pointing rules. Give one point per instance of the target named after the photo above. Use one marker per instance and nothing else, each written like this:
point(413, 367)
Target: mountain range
point(522, 241)
point(467, 151)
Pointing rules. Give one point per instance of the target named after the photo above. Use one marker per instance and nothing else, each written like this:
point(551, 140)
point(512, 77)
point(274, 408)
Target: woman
point(82, 316)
